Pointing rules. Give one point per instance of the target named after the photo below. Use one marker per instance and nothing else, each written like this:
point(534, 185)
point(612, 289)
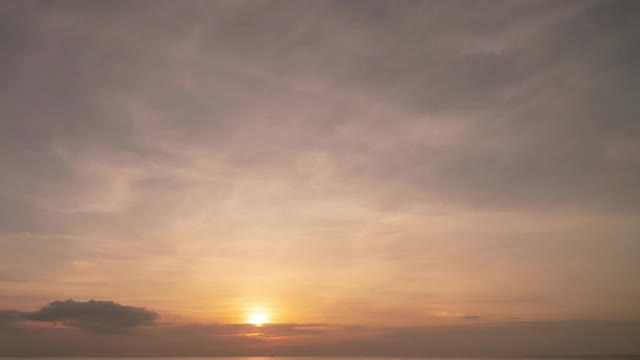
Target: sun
point(258, 318)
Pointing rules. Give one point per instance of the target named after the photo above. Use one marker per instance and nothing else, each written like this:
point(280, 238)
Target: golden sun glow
point(258, 318)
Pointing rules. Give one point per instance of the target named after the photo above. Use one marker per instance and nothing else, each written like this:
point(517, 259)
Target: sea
point(575, 357)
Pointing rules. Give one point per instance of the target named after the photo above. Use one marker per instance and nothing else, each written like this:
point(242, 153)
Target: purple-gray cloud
point(100, 316)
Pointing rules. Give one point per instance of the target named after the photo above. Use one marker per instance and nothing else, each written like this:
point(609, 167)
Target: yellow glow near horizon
point(258, 317)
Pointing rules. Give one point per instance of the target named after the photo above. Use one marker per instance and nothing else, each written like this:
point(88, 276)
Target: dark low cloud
point(99, 316)
point(519, 338)
point(9, 317)
point(515, 338)
point(91, 325)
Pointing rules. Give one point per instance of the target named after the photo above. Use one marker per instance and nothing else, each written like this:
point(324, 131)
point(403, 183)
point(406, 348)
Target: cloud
point(9, 317)
point(92, 323)
point(523, 338)
point(535, 338)
point(267, 330)
point(100, 316)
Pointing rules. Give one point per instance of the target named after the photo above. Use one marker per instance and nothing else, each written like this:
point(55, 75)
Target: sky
point(373, 177)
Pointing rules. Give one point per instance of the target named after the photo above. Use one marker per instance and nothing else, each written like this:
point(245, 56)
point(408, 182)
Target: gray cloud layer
point(527, 104)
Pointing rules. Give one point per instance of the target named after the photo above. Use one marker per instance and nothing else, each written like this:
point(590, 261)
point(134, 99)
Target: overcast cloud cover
point(385, 164)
